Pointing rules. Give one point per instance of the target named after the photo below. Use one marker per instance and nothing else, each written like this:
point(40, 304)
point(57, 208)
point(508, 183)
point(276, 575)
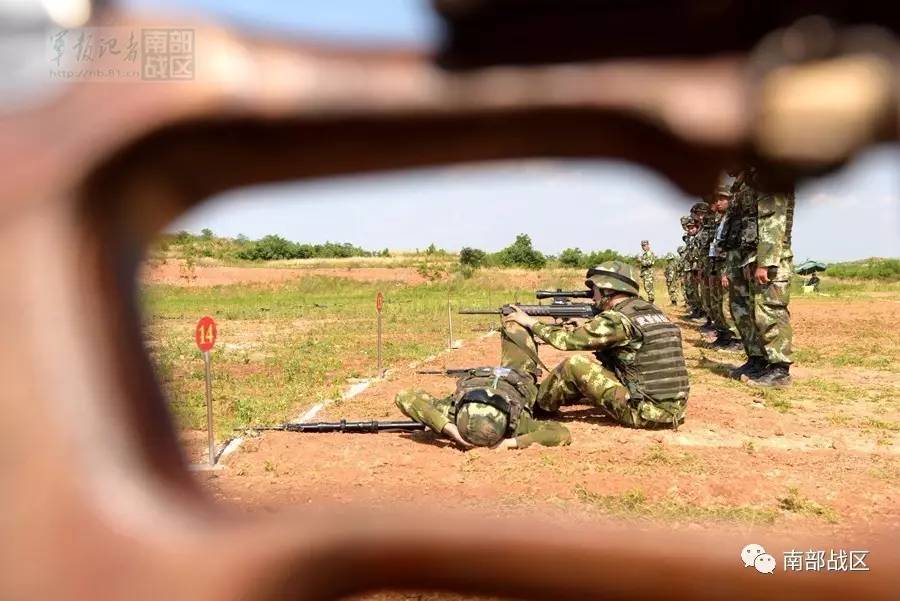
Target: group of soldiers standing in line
point(737, 253)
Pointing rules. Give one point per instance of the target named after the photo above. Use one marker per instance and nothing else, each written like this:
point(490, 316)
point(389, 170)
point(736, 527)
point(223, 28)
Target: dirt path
point(175, 273)
point(820, 458)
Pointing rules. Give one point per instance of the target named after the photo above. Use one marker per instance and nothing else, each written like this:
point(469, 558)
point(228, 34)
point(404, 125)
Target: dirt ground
point(174, 272)
point(822, 458)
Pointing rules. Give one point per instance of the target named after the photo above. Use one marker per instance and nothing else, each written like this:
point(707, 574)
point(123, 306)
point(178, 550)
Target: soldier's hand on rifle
point(452, 432)
point(520, 317)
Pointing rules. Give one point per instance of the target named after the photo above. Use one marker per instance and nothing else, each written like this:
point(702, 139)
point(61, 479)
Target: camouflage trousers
point(703, 292)
point(579, 380)
point(690, 291)
point(671, 286)
point(740, 301)
point(771, 315)
point(716, 297)
point(647, 279)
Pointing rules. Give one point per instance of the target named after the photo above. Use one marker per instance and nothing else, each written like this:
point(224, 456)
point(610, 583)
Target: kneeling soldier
point(491, 407)
point(640, 380)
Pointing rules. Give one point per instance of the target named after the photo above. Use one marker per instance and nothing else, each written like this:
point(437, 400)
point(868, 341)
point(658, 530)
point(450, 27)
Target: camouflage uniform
point(740, 301)
point(672, 264)
point(647, 259)
point(760, 234)
point(715, 268)
point(615, 384)
point(775, 217)
point(702, 269)
point(436, 413)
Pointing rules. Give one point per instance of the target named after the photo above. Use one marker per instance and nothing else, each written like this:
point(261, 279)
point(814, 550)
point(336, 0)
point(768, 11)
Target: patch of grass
point(881, 425)
point(839, 419)
point(749, 447)
point(777, 399)
point(794, 502)
point(634, 503)
point(682, 461)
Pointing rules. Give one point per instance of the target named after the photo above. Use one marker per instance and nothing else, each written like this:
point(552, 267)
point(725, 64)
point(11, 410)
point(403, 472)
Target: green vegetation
point(284, 347)
point(634, 503)
point(796, 503)
point(868, 269)
point(520, 253)
point(574, 257)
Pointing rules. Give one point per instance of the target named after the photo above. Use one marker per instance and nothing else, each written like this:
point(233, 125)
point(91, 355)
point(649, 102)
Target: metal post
point(209, 415)
point(378, 342)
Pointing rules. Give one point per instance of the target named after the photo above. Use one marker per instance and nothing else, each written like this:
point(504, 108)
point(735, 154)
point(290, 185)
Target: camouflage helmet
point(700, 208)
point(479, 418)
point(613, 275)
point(723, 190)
point(670, 256)
point(643, 242)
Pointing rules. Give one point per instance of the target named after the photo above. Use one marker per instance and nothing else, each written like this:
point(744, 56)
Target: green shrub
point(571, 257)
point(521, 254)
point(472, 257)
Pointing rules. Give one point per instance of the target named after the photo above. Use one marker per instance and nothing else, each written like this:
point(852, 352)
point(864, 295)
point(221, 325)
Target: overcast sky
point(592, 205)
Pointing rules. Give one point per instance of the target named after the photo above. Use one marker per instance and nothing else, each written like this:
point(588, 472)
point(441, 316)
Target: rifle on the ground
point(557, 311)
point(459, 371)
point(370, 427)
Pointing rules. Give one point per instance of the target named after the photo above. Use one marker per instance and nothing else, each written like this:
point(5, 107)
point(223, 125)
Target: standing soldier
point(690, 288)
point(671, 281)
point(725, 334)
point(647, 259)
point(758, 268)
point(697, 257)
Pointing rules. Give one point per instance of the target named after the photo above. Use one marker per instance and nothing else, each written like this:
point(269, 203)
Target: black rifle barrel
point(575, 310)
point(542, 294)
point(369, 427)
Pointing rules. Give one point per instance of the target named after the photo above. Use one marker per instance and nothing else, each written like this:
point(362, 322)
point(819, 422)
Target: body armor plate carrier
point(657, 372)
point(509, 390)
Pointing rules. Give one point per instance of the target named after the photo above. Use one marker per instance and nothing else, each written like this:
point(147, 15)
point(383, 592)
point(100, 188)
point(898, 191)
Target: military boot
point(775, 375)
point(753, 365)
point(727, 342)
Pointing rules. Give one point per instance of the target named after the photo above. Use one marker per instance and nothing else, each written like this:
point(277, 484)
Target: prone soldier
point(491, 407)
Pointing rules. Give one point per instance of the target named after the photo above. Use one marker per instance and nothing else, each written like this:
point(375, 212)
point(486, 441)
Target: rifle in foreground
point(557, 311)
point(370, 427)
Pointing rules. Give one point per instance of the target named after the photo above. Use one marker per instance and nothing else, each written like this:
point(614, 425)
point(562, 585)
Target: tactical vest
point(656, 372)
point(731, 240)
point(516, 390)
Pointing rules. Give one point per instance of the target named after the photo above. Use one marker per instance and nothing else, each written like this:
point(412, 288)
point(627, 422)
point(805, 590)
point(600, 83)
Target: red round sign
point(379, 302)
point(205, 334)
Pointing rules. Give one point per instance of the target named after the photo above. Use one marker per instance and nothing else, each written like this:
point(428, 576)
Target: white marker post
point(205, 337)
point(379, 305)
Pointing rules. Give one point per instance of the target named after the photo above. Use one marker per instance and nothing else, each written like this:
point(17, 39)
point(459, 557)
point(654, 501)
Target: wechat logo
point(755, 556)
